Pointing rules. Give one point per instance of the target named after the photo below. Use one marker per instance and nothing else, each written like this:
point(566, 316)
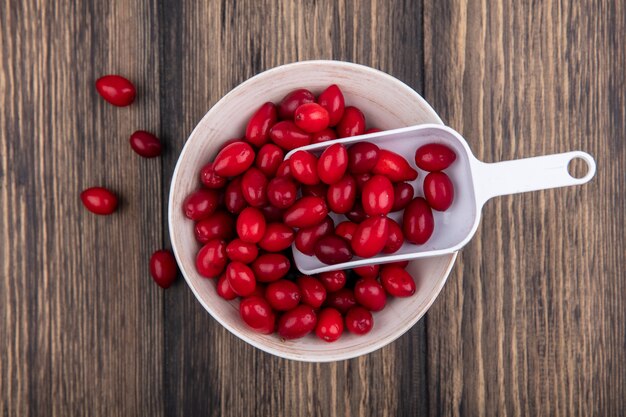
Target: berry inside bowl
point(387, 104)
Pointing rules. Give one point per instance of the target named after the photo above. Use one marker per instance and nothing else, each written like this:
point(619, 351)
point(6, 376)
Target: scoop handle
point(529, 174)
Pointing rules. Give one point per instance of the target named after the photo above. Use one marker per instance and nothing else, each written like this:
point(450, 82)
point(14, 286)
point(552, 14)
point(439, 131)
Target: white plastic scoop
point(474, 182)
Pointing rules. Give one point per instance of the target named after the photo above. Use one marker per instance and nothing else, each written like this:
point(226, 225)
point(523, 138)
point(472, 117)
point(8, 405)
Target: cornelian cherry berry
point(283, 295)
point(297, 322)
point(240, 278)
point(257, 131)
point(116, 89)
point(312, 291)
point(333, 101)
point(211, 259)
point(145, 144)
point(99, 200)
point(257, 313)
point(251, 225)
point(292, 101)
point(359, 320)
point(163, 268)
point(397, 281)
point(329, 325)
point(370, 294)
point(332, 163)
point(352, 123)
point(333, 280)
point(311, 117)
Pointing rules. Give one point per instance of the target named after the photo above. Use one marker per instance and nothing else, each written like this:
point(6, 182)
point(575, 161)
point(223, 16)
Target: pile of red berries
point(120, 92)
point(253, 205)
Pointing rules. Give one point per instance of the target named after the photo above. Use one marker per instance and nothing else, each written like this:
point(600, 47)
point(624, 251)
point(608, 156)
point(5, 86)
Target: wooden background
point(531, 321)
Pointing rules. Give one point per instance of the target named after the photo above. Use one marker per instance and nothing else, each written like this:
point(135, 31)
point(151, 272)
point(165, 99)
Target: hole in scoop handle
point(530, 174)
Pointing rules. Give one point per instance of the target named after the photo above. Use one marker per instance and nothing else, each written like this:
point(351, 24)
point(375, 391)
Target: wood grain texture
point(531, 322)
point(80, 322)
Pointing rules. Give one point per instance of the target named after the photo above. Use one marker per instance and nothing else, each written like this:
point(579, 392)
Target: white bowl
point(387, 103)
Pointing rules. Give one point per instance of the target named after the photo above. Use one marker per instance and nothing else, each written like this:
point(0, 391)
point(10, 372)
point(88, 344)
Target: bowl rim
point(356, 352)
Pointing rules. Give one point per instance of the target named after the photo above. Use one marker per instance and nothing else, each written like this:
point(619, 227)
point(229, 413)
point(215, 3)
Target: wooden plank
point(207, 49)
point(81, 321)
point(532, 320)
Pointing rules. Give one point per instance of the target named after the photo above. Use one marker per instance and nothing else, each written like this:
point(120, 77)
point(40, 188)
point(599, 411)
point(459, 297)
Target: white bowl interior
point(387, 103)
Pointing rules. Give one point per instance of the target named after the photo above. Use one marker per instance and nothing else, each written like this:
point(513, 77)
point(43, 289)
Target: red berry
point(342, 300)
point(370, 294)
point(292, 101)
point(397, 281)
point(312, 291)
point(306, 212)
point(297, 322)
point(219, 225)
point(311, 117)
point(377, 196)
point(307, 237)
point(240, 251)
point(370, 237)
point(163, 268)
point(303, 166)
point(341, 195)
point(439, 191)
point(395, 238)
point(277, 237)
point(223, 289)
point(257, 131)
point(434, 157)
point(233, 159)
point(254, 187)
point(281, 192)
point(211, 259)
point(394, 167)
point(323, 136)
point(251, 225)
point(359, 320)
point(373, 130)
point(362, 157)
point(402, 195)
point(210, 179)
point(270, 267)
point(333, 163)
point(145, 144)
point(284, 170)
point(99, 200)
point(418, 222)
point(289, 136)
point(368, 271)
point(269, 158)
point(332, 249)
point(346, 230)
point(116, 89)
point(332, 280)
point(332, 100)
point(257, 313)
point(200, 204)
point(240, 278)
point(233, 197)
point(329, 325)
point(352, 123)
point(282, 295)
point(357, 214)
